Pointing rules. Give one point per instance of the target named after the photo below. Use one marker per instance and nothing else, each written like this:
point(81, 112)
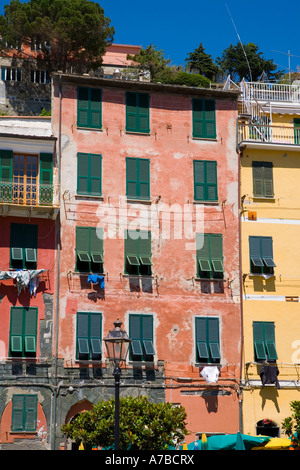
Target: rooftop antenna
point(240, 42)
point(289, 61)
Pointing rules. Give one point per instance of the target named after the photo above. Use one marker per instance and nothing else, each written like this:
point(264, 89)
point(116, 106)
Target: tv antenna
point(289, 61)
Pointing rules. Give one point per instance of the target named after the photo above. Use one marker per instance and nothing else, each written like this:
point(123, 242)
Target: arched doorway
point(79, 407)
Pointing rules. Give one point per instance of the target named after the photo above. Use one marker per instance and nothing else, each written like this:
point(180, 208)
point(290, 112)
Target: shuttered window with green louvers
point(141, 334)
point(137, 113)
point(89, 174)
point(89, 336)
point(205, 180)
point(138, 252)
point(262, 179)
point(89, 108)
point(209, 251)
point(207, 340)
point(23, 246)
point(261, 255)
point(6, 175)
point(24, 413)
point(138, 178)
point(264, 341)
point(89, 249)
point(46, 179)
point(23, 331)
point(204, 118)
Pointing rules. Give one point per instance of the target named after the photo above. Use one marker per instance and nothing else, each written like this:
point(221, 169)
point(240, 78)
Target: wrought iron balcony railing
point(24, 194)
point(274, 134)
point(273, 92)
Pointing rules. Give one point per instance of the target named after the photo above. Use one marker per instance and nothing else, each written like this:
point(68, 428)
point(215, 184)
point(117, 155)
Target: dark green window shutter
point(89, 335)
point(24, 242)
point(209, 255)
point(261, 255)
point(16, 331)
point(204, 119)
point(89, 174)
point(262, 179)
point(24, 413)
point(137, 112)
point(30, 329)
point(207, 339)
point(6, 175)
point(205, 180)
point(46, 178)
point(89, 249)
point(296, 131)
point(138, 252)
point(23, 331)
point(141, 334)
point(138, 178)
point(264, 341)
point(89, 108)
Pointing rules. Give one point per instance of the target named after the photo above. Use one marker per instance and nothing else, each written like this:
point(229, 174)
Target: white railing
point(269, 134)
point(24, 194)
point(273, 92)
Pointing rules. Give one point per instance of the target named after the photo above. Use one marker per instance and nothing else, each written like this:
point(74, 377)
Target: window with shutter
point(205, 180)
point(6, 175)
point(141, 334)
point(89, 336)
point(23, 246)
point(137, 113)
point(207, 340)
point(89, 174)
point(89, 108)
point(261, 255)
point(46, 179)
point(204, 119)
point(262, 179)
point(137, 178)
point(23, 332)
point(209, 256)
point(89, 249)
point(138, 252)
point(264, 341)
point(24, 413)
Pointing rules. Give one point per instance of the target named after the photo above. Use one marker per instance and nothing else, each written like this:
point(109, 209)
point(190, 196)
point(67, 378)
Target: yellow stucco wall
point(267, 299)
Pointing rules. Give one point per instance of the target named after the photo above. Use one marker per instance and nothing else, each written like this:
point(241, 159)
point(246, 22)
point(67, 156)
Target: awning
point(275, 443)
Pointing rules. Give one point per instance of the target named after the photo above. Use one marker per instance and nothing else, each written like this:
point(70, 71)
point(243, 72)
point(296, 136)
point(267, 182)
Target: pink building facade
point(149, 234)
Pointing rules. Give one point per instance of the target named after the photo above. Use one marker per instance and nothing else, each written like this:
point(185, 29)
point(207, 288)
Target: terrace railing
point(273, 92)
point(274, 134)
point(24, 194)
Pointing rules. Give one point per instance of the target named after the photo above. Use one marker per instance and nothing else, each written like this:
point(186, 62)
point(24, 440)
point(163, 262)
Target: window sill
point(137, 133)
point(139, 276)
point(89, 128)
point(89, 196)
point(214, 203)
point(199, 279)
point(136, 200)
point(211, 139)
point(264, 198)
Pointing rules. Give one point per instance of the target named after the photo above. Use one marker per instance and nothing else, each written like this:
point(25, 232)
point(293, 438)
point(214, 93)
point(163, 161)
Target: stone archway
point(79, 407)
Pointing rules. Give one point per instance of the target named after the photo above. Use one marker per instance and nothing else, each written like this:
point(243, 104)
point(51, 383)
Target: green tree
point(237, 61)
point(291, 424)
point(202, 63)
point(175, 76)
point(150, 59)
point(143, 425)
point(63, 32)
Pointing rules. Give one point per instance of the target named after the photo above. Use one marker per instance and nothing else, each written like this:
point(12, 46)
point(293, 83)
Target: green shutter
point(6, 175)
point(132, 177)
point(30, 329)
point(82, 248)
point(256, 261)
point(135, 336)
point(213, 338)
point(204, 120)
point(137, 178)
point(216, 252)
point(82, 173)
point(23, 330)
point(16, 330)
point(24, 237)
point(202, 352)
point(203, 253)
point(137, 112)
point(24, 413)
point(296, 131)
point(258, 340)
point(270, 340)
point(141, 334)
point(89, 174)
point(46, 178)
point(267, 251)
point(144, 178)
point(205, 180)
point(262, 179)
point(30, 419)
point(17, 413)
point(82, 335)
point(89, 108)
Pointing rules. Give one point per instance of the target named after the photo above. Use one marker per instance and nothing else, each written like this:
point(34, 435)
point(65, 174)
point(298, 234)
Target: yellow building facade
point(269, 152)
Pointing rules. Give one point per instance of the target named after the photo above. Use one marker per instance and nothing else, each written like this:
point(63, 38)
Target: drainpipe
point(57, 272)
point(240, 152)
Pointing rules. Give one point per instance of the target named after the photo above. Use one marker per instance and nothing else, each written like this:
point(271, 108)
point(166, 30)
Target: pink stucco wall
point(176, 297)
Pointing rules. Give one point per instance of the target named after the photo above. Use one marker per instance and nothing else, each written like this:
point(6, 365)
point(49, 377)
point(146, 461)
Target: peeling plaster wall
point(174, 297)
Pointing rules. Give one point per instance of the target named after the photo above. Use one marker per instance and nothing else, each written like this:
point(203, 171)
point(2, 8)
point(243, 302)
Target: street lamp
point(117, 344)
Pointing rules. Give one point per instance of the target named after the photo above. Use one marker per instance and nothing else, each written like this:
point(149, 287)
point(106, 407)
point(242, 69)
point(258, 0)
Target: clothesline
point(24, 278)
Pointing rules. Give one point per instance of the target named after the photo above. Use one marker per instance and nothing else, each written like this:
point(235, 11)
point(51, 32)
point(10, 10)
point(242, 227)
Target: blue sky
point(179, 27)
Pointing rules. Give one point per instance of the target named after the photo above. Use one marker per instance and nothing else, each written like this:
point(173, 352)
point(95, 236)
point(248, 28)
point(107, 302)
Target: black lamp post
point(117, 345)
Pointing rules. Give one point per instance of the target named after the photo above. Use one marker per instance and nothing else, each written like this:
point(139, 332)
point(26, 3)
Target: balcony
point(259, 136)
point(272, 92)
point(17, 198)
